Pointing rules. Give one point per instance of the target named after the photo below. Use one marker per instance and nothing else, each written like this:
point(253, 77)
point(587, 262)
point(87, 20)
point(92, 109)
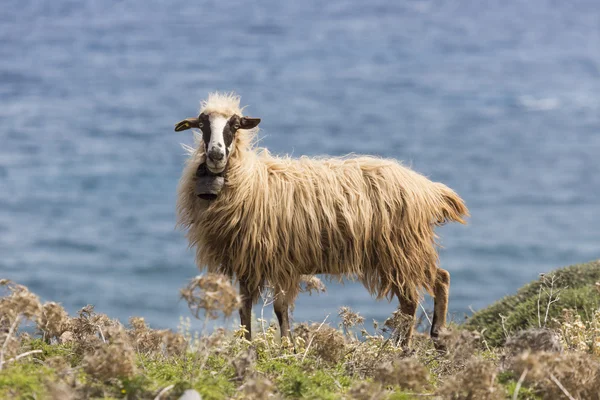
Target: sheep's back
point(365, 217)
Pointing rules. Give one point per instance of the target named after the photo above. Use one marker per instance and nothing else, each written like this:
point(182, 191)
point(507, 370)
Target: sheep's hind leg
point(440, 304)
point(246, 309)
point(281, 308)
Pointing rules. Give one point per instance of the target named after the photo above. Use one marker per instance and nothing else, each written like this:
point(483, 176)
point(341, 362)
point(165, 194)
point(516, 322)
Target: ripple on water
point(499, 102)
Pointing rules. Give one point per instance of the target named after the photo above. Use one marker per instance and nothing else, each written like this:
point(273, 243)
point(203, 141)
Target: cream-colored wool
point(278, 218)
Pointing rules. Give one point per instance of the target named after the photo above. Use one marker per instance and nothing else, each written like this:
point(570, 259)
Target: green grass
point(509, 381)
point(578, 292)
point(65, 351)
point(185, 372)
point(24, 381)
point(295, 380)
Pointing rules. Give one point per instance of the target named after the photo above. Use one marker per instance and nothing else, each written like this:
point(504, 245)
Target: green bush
point(576, 290)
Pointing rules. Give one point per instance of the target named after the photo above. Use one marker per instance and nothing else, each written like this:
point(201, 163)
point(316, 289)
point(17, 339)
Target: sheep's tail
point(453, 208)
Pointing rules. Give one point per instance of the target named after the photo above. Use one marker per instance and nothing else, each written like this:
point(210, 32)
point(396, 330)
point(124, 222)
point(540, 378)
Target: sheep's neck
point(244, 171)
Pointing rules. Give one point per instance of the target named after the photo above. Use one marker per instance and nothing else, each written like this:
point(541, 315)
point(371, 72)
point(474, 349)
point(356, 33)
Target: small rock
point(243, 362)
point(190, 394)
point(537, 339)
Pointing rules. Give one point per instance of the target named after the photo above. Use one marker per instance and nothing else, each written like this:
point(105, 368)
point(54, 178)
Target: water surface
point(499, 101)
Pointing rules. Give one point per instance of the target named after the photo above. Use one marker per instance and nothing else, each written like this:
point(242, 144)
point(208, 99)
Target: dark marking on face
point(229, 131)
point(204, 124)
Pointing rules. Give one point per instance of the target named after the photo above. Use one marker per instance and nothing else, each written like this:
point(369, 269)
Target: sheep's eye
point(201, 119)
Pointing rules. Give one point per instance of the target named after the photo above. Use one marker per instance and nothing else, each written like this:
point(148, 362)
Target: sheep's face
point(218, 135)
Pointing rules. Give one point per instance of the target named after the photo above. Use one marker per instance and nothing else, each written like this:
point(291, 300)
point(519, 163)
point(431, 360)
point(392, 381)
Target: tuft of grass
point(63, 350)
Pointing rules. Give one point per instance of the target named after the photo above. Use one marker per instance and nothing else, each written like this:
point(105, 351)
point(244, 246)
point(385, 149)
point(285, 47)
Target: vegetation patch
point(529, 352)
point(539, 303)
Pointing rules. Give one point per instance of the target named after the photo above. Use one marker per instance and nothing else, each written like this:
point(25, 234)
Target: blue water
point(499, 101)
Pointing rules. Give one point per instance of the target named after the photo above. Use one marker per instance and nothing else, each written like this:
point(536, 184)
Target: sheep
point(278, 218)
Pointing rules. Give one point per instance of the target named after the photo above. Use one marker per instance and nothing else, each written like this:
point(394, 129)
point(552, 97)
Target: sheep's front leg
point(281, 308)
point(408, 307)
point(246, 309)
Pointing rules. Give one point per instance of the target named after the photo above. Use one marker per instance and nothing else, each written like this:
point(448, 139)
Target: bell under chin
point(208, 187)
point(207, 196)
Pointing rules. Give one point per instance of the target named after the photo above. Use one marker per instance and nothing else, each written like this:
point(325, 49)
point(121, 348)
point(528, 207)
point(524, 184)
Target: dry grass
point(308, 283)
point(476, 380)
point(113, 359)
point(92, 356)
point(555, 376)
point(211, 293)
point(326, 343)
point(407, 373)
point(350, 318)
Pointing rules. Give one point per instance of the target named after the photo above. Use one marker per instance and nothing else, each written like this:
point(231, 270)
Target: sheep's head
point(219, 120)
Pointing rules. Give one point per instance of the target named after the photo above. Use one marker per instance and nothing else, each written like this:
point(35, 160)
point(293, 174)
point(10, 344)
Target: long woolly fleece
point(278, 218)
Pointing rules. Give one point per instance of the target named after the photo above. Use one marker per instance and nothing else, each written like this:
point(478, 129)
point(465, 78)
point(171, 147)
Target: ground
point(543, 342)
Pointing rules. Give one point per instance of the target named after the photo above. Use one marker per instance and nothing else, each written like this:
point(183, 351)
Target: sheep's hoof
point(408, 351)
point(439, 345)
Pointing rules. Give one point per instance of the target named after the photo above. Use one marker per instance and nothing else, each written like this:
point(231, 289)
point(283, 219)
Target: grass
point(25, 380)
point(92, 356)
point(576, 291)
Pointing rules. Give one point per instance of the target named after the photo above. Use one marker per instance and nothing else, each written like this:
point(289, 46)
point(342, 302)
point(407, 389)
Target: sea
point(500, 100)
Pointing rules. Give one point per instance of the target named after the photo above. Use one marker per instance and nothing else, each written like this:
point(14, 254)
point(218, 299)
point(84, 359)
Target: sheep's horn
point(187, 124)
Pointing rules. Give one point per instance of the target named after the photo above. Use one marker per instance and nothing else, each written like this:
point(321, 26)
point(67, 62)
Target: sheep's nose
point(215, 155)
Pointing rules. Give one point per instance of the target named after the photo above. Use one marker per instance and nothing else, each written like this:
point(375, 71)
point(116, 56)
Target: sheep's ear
point(249, 123)
point(187, 124)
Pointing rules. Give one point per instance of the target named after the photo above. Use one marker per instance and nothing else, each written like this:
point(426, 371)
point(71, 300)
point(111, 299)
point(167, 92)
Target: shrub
point(519, 312)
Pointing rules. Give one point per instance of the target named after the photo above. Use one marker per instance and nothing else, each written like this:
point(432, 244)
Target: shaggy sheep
point(277, 218)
